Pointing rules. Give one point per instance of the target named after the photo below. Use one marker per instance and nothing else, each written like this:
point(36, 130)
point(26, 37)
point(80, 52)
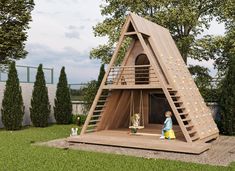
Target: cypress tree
point(101, 75)
point(63, 105)
point(227, 100)
point(40, 106)
point(12, 104)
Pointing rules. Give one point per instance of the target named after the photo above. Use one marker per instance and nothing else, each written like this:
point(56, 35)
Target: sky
point(61, 35)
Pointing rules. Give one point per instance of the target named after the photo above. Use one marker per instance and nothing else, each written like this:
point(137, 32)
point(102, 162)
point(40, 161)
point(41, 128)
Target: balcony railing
point(132, 75)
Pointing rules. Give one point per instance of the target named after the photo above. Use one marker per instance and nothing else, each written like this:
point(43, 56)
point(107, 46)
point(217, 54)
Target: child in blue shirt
point(167, 124)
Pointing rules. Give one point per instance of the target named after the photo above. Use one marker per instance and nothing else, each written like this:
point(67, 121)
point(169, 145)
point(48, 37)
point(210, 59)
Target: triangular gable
point(192, 114)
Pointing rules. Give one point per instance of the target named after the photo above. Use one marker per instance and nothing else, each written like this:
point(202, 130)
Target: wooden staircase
point(97, 113)
point(183, 117)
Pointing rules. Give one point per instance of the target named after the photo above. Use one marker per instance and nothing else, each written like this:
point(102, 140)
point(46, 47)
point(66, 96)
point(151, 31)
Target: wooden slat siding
point(164, 87)
point(104, 122)
point(124, 111)
point(124, 29)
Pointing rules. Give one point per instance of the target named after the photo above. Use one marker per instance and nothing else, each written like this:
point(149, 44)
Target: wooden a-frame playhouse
point(151, 79)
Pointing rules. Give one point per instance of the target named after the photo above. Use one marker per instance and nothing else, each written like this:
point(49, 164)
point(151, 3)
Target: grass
point(18, 153)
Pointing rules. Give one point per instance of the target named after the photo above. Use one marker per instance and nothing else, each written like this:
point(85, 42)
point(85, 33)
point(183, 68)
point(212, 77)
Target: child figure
point(167, 127)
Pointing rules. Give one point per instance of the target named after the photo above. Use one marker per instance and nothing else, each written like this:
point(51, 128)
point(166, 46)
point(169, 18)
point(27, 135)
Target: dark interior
point(158, 106)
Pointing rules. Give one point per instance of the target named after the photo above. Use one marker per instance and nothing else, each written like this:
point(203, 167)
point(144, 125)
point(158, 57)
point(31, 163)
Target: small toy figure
point(123, 82)
point(136, 120)
point(167, 131)
point(74, 132)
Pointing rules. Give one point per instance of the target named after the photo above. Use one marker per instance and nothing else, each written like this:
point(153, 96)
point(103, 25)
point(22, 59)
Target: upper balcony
point(132, 77)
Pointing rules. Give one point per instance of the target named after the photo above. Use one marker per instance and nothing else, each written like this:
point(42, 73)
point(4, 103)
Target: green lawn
point(17, 153)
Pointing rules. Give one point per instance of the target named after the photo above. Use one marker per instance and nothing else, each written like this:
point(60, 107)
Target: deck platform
point(123, 138)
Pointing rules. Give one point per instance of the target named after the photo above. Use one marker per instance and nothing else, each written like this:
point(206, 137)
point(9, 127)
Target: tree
point(40, 106)
point(14, 20)
point(63, 105)
point(89, 94)
point(185, 20)
point(12, 104)
point(101, 75)
point(227, 99)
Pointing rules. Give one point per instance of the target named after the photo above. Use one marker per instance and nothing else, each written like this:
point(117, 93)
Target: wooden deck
point(123, 138)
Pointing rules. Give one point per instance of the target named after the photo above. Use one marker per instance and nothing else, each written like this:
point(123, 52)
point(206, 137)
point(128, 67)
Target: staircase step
point(90, 130)
point(173, 91)
point(94, 120)
point(178, 102)
point(176, 96)
point(189, 126)
point(100, 105)
point(103, 96)
point(92, 125)
point(182, 114)
point(95, 116)
point(192, 131)
point(98, 111)
point(195, 138)
point(186, 119)
point(180, 107)
point(102, 101)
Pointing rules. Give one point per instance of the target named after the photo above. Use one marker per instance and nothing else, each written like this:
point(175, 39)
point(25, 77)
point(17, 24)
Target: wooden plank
point(122, 139)
point(124, 29)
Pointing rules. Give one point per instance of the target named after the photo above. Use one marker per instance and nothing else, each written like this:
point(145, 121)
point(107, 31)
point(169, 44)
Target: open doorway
point(142, 73)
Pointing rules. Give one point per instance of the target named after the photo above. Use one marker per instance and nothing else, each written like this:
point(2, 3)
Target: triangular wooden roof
point(190, 110)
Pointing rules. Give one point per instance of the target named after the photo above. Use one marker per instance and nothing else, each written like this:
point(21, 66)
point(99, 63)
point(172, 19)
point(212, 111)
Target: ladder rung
point(192, 131)
point(92, 125)
point(103, 96)
point(173, 91)
point(195, 138)
point(100, 105)
point(94, 116)
point(180, 107)
point(176, 96)
point(94, 120)
point(186, 119)
point(90, 130)
point(102, 100)
point(183, 114)
point(189, 126)
point(97, 111)
point(178, 102)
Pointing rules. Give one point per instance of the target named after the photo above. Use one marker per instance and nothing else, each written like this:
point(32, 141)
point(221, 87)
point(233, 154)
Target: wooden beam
point(99, 92)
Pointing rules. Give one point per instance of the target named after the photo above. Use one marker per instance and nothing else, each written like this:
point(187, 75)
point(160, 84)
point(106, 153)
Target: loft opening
point(142, 72)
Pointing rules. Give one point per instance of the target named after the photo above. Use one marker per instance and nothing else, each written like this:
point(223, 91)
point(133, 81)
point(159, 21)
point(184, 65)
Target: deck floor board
point(123, 138)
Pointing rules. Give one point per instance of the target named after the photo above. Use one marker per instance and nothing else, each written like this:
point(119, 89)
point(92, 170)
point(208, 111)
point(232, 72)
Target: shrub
point(12, 104)
point(227, 100)
point(81, 121)
point(63, 105)
point(40, 106)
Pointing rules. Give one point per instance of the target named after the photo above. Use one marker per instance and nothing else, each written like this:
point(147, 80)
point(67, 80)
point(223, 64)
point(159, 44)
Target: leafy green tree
point(185, 20)
point(63, 105)
point(227, 99)
point(12, 104)
point(14, 20)
point(40, 106)
point(101, 75)
point(89, 94)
